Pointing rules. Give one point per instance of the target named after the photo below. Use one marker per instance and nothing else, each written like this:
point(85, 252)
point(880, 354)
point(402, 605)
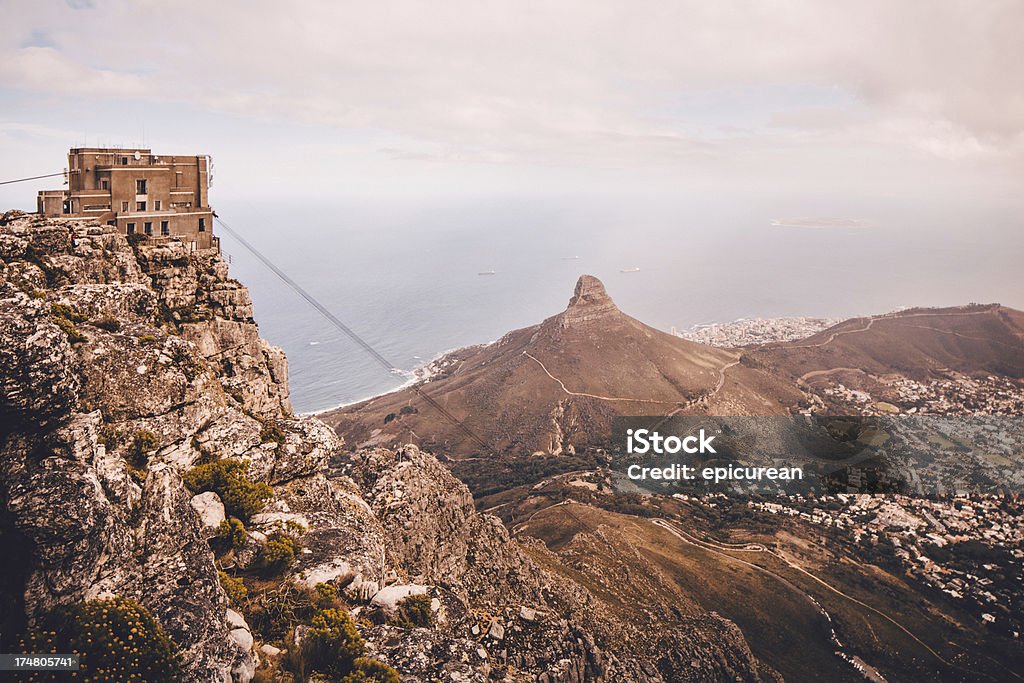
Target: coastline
point(418, 375)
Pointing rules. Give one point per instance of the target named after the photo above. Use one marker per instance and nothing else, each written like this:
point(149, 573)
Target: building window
point(124, 206)
point(130, 228)
point(156, 205)
point(165, 228)
point(140, 187)
point(124, 161)
point(148, 227)
point(140, 206)
point(202, 225)
point(104, 184)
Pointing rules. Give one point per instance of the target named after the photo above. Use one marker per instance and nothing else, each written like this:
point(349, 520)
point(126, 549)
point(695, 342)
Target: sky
point(393, 99)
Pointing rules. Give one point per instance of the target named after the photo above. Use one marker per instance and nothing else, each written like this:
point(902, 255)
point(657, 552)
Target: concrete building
point(137, 191)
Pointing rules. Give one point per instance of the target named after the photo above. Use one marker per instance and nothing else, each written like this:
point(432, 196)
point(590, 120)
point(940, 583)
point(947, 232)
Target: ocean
point(405, 276)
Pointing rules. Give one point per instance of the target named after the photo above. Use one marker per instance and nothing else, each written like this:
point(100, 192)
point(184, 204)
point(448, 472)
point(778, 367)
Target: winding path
point(721, 549)
point(597, 396)
point(896, 319)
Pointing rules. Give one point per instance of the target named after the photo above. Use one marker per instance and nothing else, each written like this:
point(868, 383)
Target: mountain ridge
point(554, 387)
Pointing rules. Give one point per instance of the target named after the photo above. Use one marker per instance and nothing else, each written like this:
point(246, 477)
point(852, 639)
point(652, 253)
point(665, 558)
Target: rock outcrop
point(589, 302)
point(124, 367)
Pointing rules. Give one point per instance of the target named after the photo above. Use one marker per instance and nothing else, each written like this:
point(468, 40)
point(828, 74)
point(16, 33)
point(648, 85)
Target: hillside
point(152, 469)
point(552, 390)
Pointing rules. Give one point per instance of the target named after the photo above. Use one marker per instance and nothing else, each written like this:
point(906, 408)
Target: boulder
point(388, 598)
point(209, 508)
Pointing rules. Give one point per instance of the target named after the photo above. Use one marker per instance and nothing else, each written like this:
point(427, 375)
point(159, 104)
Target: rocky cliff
point(148, 452)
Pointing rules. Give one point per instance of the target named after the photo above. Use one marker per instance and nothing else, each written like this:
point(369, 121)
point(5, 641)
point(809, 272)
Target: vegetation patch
point(369, 670)
point(186, 361)
point(54, 276)
point(69, 329)
point(110, 438)
point(278, 553)
point(68, 313)
point(117, 639)
point(272, 433)
point(65, 318)
point(242, 497)
point(230, 536)
point(233, 587)
point(108, 324)
point(413, 612)
point(144, 442)
point(332, 644)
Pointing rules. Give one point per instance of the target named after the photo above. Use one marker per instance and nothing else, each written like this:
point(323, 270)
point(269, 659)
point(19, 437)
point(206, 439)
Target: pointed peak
point(589, 290)
point(588, 302)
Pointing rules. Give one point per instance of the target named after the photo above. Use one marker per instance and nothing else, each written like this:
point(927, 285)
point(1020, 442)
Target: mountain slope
point(554, 387)
point(916, 342)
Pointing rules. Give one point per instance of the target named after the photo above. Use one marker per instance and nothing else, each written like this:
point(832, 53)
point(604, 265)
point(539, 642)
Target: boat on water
point(634, 269)
point(487, 272)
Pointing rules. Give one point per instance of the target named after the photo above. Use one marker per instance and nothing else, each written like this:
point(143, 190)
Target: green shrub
point(235, 588)
point(137, 238)
point(242, 497)
point(413, 612)
point(110, 438)
point(137, 475)
point(68, 313)
point(230, 535)
point(408, 410)
point(333, 643)
point(367, 670)
point(271, 613)
point(108, 324)
point(143, 442)
point(186, 361)
point(278, 553)
point(325, 596)
point(54, 276)
point(69, 329)
point(271, 433)
point(116, 639)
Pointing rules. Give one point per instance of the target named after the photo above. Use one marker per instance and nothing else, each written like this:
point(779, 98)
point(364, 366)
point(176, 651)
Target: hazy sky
point(312, 100)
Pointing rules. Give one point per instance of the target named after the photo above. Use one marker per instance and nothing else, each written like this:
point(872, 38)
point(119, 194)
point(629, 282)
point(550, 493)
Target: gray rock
point(269, 650)
point(497, 630)
point(209, 508)
point(388, 598)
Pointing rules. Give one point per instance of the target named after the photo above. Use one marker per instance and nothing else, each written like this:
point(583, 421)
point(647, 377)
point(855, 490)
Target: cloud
point(49, 70)
point(571, 82)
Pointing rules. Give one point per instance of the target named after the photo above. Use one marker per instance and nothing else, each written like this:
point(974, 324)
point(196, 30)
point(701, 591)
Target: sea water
point(406, 276)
